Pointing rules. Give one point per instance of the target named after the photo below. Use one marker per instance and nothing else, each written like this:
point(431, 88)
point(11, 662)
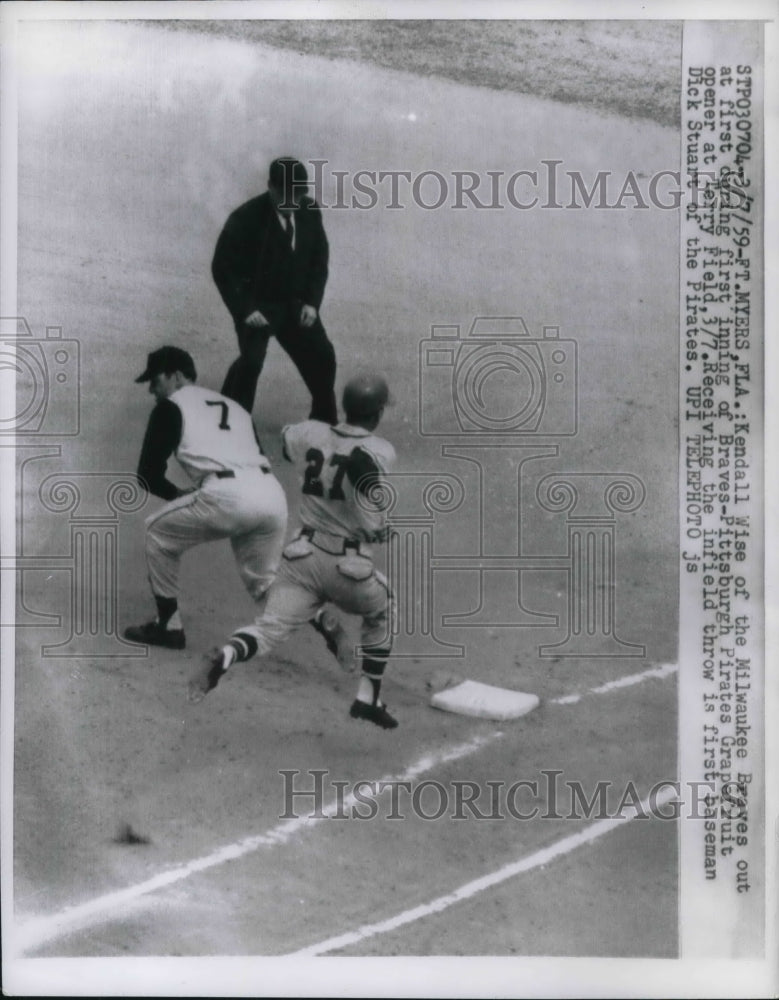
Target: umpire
point(270, 266)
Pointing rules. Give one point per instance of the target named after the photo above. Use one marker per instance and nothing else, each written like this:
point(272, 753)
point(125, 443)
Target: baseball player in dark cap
point(270, 266)
point(235, 495)
point(342, 506)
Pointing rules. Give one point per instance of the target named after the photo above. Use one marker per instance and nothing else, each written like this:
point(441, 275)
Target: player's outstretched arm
point(163, 434)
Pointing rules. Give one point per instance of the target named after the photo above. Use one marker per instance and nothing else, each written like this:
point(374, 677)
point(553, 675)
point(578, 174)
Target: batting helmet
point(365, 395)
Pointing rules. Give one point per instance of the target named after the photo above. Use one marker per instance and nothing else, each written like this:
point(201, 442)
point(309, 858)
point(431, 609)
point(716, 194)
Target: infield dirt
point(126, 174)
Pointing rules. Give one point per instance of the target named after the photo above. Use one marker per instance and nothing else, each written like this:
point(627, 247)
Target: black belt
point(349, 543)
point(229, 474)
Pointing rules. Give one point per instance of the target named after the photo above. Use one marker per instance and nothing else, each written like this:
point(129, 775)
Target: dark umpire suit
point(256, 268)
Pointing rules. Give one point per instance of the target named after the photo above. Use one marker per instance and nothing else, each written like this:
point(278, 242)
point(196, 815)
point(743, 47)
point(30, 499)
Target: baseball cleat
point(332, 631)
point(153, 634)
point(377, 714)
point(209, 675)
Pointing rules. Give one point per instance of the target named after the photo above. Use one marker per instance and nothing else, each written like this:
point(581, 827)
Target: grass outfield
point(628, 67)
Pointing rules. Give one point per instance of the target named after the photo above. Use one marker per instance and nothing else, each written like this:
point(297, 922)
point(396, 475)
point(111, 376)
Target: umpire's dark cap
point(165, 361)
point(288, 175)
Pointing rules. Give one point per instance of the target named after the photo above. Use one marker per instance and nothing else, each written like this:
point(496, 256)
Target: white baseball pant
point(305, 583)
point(250, 509)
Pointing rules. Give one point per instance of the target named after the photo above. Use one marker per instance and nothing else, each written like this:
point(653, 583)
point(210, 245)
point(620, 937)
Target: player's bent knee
point(157, 546)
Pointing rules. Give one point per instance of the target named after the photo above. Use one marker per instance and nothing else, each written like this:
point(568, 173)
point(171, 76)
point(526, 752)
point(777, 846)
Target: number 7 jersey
point(324, 456)
point(216, 434)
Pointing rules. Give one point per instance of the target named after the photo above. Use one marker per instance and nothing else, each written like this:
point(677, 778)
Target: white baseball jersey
point(216, 434)
point(320, 453)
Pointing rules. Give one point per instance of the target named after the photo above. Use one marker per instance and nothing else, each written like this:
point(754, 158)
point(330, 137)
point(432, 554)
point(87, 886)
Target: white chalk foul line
point(664, 670)
point(39, 930)
point(470, 889)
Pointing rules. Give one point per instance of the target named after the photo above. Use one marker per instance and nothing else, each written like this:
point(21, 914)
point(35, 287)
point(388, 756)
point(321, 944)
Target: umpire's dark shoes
point(377, 714)
point(153, 634)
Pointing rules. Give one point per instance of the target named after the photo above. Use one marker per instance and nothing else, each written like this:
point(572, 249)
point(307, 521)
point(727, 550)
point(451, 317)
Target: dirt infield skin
point(126, 174)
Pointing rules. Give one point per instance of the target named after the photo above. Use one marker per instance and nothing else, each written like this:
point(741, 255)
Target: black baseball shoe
point(208, 676)
point(153, 634)
point(332, 631)
point(377, 714)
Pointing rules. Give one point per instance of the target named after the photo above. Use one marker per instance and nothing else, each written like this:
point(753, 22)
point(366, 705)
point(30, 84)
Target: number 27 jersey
point(329, 502)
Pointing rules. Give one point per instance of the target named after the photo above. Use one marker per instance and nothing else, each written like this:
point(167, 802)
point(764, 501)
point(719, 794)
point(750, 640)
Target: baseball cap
point(165, 361)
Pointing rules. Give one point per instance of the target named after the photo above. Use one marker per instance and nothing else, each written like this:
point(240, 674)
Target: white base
point(484, 701)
